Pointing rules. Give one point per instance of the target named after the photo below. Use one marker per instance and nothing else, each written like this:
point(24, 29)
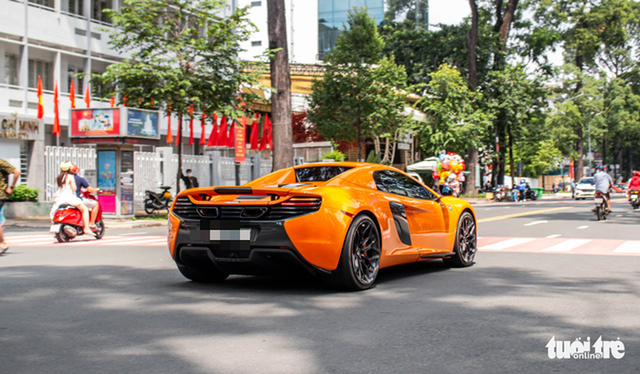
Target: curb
point(45, 222)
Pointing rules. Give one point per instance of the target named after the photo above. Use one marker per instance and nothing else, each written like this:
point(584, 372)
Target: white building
point(312, 26)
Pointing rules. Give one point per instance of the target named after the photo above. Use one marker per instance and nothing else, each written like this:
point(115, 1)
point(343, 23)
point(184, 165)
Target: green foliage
point(453, 122)
point(374, 158)
point(356, 99)
point(335, 155)
point(181, 54)
point(24, 193)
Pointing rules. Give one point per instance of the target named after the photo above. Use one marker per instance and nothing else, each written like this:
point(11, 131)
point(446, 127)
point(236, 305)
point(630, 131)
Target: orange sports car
point(343, 221)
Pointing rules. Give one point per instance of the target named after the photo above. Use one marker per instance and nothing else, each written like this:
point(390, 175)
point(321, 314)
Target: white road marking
point(133, 233)
point(20, 237)
point(507, 243)
point(553, 236)
point(582, 227)
point(567, 245)
point(631, 246)
point(535, 223)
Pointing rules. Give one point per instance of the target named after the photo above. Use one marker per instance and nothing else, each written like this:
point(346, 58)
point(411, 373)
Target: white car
point(585, 189)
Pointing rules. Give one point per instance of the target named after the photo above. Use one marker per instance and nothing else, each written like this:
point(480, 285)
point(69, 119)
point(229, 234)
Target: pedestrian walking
point(189, 180)
point(6, 190)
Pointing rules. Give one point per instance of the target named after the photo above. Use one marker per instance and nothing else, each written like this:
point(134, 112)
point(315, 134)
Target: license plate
point(634, 197)
point(599, 200)
point(243, 235)
point(55, 228)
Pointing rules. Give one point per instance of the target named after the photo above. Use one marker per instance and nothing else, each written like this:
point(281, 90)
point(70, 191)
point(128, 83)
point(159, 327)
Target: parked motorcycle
point(157, 201)
point(67, 222)
point(634, 198)
point(601, 206)
point(499, 193)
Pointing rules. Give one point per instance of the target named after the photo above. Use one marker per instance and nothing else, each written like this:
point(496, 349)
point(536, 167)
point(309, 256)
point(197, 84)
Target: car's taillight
point(301, 201)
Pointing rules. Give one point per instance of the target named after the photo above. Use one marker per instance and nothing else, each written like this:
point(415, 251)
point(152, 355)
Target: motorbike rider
point(634, 183)
point(91, 204)
point(522, 187)
point(603, 183)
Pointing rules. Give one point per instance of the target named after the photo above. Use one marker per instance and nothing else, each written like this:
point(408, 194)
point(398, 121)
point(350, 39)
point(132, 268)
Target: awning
point(430, 164)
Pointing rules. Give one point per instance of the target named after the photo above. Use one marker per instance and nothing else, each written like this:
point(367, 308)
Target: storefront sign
point(12, 127)
point(95, 122)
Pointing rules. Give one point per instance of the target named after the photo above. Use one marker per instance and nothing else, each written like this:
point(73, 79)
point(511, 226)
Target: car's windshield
point(586, 181)
point(319, 173)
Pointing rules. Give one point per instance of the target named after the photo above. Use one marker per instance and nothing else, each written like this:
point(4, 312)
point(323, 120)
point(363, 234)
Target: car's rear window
point(586, 180)
point(319, 173)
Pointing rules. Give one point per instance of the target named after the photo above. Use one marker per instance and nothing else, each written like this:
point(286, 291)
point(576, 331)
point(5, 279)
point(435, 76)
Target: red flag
point(191, 124)
point(203, 137)
point(266, 135)
point(213, 138)
point(222, 133)
point(56, 117)
point(240, 139)
point(112, 101)
point(169, 135)
point(40, 102)
point(87, 96)
point(72, 94)
point(231, 137)
point(255, 126)
point(178, 134)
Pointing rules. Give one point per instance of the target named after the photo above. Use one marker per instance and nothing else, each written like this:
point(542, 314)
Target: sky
point(450, 12)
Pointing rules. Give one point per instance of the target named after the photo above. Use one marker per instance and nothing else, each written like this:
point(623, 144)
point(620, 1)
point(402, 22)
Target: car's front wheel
point(466, 244)
point(360, 259)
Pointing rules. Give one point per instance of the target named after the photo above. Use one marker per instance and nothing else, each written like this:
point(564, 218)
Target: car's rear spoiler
point(274, 193)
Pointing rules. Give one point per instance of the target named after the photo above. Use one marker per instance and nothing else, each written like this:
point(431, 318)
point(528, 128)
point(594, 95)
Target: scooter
point(634, 198)
point(67, 222)
point(498, 193)
point(528, 194)
point(157, 201)
point(601, 206)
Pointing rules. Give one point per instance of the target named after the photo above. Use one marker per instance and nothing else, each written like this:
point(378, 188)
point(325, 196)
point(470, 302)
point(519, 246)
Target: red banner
point(241, 139)
point(95, 122)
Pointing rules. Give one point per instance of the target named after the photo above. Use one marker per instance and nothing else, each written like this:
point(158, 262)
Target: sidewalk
point(110, 223)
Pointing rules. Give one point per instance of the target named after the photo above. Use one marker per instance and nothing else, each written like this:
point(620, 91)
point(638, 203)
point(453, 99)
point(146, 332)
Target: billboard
point(95, 122)
point(142, 123)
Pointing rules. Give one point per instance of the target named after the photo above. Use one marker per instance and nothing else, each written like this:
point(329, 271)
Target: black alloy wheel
point(466, 244)
point(360, 259)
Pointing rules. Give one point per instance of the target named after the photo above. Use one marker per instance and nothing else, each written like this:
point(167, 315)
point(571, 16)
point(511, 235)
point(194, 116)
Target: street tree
point(361, 94)
point(281, 83)
point(182, 53)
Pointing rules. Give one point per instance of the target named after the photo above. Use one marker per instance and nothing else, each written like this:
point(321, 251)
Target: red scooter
point(67, 222)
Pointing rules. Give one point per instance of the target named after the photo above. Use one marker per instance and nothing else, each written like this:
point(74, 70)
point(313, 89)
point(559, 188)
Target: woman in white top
point(66, 194)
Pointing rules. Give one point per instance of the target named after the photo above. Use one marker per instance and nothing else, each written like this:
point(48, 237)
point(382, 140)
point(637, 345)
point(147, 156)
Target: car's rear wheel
point(204, 275)
point(360, 258)
point(466, 244)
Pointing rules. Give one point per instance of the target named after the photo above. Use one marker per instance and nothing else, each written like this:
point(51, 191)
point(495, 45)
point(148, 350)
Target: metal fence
point(155, 169)
point(85, 158)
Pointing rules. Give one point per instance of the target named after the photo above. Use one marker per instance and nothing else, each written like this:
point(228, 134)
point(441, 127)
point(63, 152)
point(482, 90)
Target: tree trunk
point(179, 153)
point(512, 170)
point(472, 45)
point(281, 81)
point(507, 20)
point(472, 162)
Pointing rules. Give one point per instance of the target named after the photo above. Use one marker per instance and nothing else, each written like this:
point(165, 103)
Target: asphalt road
point(113, 308)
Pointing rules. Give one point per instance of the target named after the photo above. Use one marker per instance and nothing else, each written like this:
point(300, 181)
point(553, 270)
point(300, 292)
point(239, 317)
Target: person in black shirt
point(189, 180)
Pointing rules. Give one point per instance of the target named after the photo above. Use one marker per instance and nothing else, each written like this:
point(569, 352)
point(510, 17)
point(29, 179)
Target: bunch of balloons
point(449, 164)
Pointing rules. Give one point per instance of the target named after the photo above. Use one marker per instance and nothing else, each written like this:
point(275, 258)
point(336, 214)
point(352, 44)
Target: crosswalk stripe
point(111, 240)
point(631, 246)
point(507, 243)
point(567, 245)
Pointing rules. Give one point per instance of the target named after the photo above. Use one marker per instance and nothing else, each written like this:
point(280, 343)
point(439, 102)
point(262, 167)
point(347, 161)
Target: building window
point(256, 43)
point(10, 69)
point(76, 7)
point(47, 3)
point(73, 73)
point(255, 4)
point(333, 14)
point(42, 69)
point(97, 7)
